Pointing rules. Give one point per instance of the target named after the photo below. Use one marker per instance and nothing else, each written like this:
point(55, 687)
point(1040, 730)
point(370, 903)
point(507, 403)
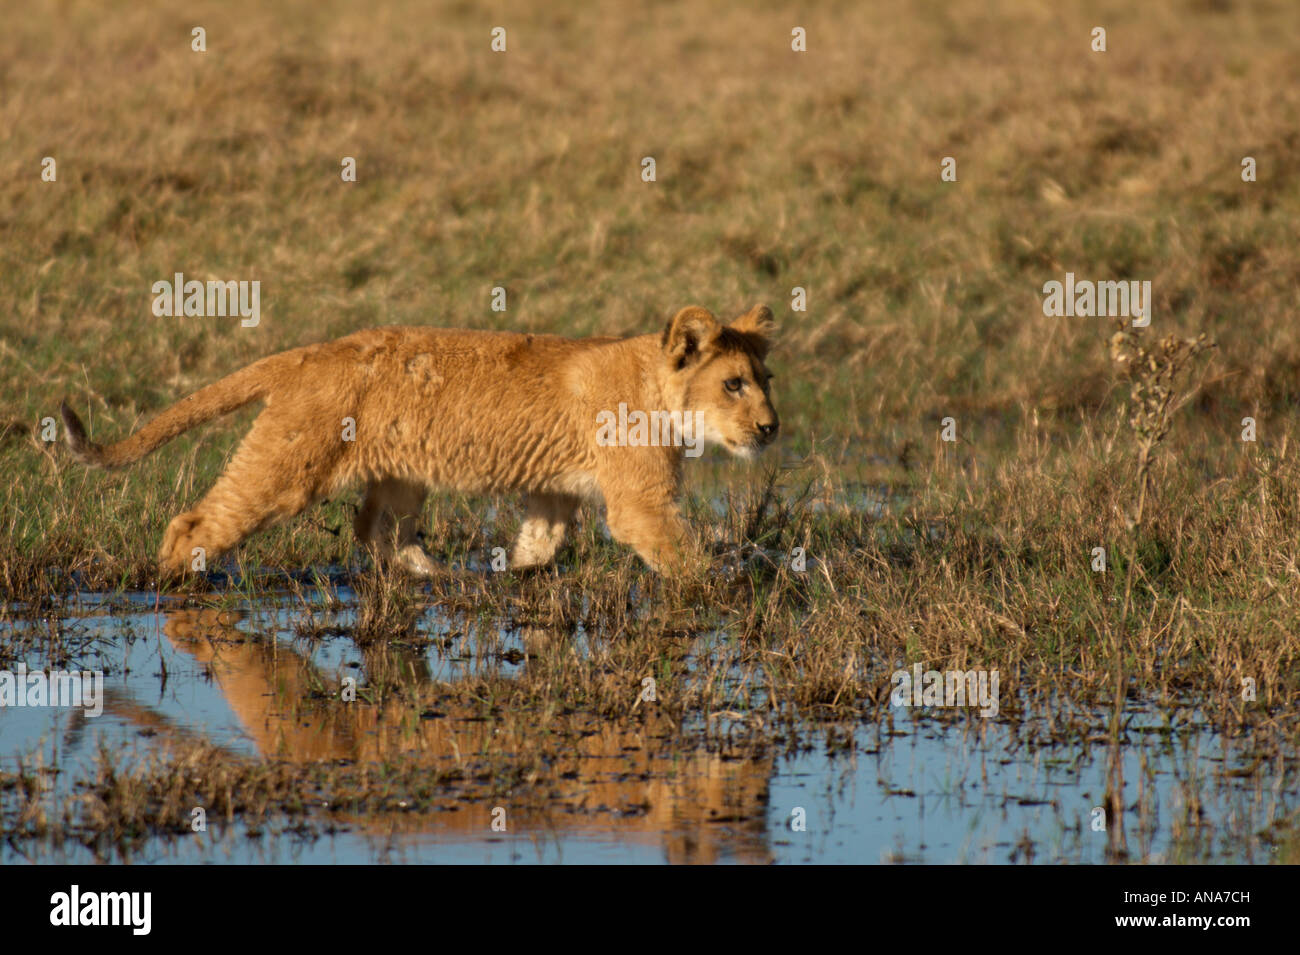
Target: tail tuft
point(82, 449)
point(221, 397)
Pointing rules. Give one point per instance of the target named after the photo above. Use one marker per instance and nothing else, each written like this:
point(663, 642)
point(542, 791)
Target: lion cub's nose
point(768, 431)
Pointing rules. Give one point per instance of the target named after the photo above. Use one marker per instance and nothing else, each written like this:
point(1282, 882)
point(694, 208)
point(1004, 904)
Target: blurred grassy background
point(775, 169)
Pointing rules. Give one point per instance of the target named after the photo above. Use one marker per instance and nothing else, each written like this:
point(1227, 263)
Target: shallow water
point(913, 791)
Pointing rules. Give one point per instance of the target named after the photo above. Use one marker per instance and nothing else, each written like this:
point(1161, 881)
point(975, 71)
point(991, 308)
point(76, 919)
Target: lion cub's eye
point(733, 384)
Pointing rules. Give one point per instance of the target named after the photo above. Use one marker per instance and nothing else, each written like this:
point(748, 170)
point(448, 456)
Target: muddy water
point(908, 790)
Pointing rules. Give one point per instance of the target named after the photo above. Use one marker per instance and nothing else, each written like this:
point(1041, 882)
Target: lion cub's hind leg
point(542, 532)
point(255, 491)
point(389, 522)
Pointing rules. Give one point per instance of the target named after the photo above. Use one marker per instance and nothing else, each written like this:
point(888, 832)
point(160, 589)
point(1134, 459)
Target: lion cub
point(402, 409)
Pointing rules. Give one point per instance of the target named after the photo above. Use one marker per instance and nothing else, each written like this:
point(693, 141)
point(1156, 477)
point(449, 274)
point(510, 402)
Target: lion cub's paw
point(414, 560)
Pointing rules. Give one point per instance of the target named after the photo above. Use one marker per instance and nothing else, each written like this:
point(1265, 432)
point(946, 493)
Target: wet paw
point(414, 560)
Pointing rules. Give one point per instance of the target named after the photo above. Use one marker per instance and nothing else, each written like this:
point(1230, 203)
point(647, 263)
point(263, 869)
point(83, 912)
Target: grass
point(775, 170)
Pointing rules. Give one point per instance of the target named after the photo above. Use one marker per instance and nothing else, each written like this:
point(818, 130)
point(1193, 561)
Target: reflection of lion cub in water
point(403, 409)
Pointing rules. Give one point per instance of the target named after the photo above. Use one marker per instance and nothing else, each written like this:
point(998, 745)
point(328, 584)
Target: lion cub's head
point(717, 371)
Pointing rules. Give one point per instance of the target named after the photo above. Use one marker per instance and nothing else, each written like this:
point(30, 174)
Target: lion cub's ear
point(757, 321)
point(691, 333)
point(758, 326)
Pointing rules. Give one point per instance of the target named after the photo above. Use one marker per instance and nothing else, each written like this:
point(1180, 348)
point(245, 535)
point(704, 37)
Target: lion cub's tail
point(221, 397)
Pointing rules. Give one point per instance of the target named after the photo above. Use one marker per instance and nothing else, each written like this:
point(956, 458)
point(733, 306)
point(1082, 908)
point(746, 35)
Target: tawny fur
point(479, 412)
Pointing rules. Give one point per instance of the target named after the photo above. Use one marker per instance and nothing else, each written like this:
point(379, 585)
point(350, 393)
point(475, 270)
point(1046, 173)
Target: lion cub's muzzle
point(766, 431)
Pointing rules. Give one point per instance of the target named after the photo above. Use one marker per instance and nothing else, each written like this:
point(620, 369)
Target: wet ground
point(908, 789)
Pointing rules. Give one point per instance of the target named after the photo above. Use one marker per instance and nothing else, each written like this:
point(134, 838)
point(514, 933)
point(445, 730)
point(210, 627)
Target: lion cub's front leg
point(653, 526)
